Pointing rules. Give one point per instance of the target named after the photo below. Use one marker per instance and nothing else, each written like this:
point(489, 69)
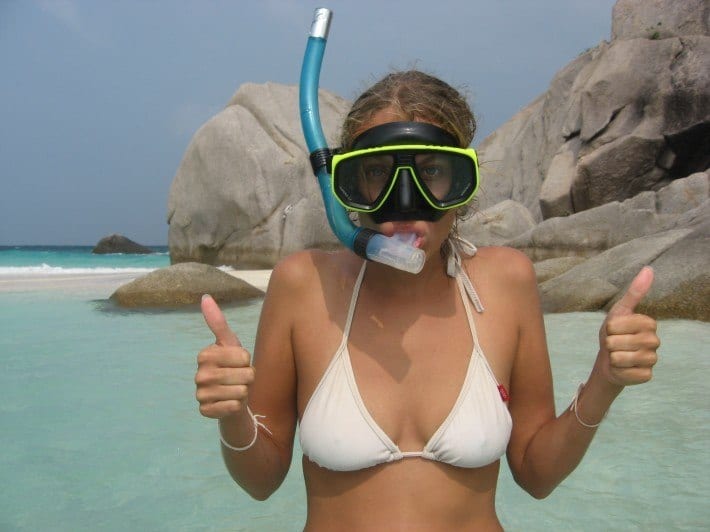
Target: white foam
point(46, 269)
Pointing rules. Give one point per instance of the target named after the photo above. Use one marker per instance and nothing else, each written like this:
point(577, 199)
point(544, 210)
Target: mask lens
point(362, 181)
point(446, 177)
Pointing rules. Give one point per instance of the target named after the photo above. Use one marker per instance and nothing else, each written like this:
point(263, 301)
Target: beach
point(104, 283)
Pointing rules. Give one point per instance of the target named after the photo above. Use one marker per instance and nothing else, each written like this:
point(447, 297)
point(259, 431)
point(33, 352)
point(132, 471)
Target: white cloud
point(65, 11)
point(68, 14)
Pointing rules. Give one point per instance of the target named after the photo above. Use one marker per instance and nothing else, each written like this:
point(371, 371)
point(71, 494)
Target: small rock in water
point(119, 244)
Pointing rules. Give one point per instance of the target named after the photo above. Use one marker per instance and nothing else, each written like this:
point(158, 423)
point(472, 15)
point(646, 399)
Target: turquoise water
point(100, 431)
point(30, 260)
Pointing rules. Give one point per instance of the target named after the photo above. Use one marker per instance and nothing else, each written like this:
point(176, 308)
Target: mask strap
point(453, 267)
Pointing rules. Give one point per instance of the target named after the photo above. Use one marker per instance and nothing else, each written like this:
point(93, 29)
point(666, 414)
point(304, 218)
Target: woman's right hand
point(224, 370)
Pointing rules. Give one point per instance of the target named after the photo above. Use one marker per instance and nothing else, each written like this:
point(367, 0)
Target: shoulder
point(306, 272)
point(505, 264)
point(308, 290)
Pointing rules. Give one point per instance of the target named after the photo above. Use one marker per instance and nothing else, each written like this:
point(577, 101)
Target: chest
point(409, 361)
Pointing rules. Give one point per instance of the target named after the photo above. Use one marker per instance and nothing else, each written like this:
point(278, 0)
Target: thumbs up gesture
point(628, 341)
point(224, 370)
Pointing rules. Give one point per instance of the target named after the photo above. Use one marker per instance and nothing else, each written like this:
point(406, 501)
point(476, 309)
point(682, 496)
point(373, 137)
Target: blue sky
point(99, 98)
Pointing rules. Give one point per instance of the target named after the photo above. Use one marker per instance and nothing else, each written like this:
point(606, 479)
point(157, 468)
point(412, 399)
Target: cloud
point(68, 14)
point(65, 11)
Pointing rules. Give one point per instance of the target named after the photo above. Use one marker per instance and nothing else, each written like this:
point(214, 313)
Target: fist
point(628, 341)
point(224, 371)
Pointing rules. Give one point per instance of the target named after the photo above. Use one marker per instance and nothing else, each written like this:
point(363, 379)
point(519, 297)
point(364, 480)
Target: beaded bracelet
point(257, 424)
point(573, 408)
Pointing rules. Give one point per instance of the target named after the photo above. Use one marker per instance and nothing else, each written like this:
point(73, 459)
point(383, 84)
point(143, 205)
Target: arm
point(269, 389)
point(544, 449)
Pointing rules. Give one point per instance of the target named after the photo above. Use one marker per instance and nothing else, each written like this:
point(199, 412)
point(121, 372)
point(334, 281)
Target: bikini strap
point(454, 267)
point(353, 301)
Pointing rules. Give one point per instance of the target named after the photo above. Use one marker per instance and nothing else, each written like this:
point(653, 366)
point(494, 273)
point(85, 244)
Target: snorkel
point(396, 251)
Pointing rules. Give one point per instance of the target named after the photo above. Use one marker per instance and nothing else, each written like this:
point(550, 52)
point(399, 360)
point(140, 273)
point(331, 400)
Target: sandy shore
point(257, 278)
point(101, 283)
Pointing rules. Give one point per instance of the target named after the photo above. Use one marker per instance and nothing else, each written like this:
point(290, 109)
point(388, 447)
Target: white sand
point(101, 283)
point(257, 278)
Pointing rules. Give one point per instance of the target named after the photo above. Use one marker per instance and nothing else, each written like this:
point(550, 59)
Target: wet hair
point(415, 96)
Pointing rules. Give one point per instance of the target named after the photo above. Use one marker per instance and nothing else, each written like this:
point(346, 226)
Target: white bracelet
point(573, 408)
point(257, 424)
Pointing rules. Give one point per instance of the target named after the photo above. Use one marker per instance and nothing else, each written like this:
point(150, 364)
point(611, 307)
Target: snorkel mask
point(398, 250)
point(404, 171)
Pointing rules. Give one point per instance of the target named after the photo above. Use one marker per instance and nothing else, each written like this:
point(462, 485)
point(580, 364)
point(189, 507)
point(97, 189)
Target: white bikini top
point(337, 431)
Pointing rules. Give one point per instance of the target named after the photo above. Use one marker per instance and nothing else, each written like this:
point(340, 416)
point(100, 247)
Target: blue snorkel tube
point(395, 251)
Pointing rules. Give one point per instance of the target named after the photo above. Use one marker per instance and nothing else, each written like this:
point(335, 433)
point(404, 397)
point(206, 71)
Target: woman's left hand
point(628, 341)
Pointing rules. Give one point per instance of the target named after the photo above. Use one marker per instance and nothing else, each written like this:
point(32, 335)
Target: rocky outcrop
point(245, 194)
point(595, 230)
point(668, 230)
point(119, 244)
point(628, 116)
point(183, 284)
point(497, 224)
point(681, 288)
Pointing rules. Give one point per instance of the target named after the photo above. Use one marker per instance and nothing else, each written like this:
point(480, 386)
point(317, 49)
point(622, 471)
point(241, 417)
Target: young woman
point(409, 388)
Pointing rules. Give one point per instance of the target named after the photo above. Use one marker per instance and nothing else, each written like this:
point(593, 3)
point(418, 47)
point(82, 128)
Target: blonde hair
point(414, 95)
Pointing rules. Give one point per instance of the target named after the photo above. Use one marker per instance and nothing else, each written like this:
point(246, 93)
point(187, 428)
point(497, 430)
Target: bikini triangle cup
point(338, 433)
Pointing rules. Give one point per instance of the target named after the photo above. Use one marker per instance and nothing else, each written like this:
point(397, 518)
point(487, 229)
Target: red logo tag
point(503, 393)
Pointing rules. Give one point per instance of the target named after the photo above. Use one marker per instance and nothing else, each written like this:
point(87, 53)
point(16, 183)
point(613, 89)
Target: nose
point(406, 195)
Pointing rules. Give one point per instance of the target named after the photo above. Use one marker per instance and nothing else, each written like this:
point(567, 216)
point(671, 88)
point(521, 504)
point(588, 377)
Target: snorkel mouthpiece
point(396, 251)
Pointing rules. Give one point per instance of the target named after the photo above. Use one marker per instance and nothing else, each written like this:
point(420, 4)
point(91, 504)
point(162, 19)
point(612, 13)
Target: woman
point(408, 389)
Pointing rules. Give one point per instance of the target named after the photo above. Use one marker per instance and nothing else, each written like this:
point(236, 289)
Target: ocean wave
point(46, 269)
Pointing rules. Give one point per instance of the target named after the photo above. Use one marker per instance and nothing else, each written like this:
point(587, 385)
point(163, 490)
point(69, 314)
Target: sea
point(99, 427)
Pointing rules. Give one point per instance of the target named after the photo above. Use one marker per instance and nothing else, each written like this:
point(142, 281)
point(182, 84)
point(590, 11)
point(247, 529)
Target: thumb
point(217, 322)
point(636, 291)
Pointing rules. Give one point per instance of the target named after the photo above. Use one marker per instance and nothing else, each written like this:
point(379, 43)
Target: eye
point(431, 172)
point(375, 172)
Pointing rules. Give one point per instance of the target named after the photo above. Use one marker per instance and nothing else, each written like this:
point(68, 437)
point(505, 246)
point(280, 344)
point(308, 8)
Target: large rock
point(498, 224)
point(659, 19)
point(625, 117)
point(245, 194)
point(595, 230)
point(681, 288)
point(119, 244)
point(594, 283)
point(679, 258)
point(551, 268)
point(183, 284)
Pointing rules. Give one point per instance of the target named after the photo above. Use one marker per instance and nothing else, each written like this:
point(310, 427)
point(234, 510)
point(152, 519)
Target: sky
point(99, 98)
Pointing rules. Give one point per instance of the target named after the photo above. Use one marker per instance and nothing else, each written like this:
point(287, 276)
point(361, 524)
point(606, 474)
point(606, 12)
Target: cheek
point(441, 188)
point(447, 222)
point(364, 220)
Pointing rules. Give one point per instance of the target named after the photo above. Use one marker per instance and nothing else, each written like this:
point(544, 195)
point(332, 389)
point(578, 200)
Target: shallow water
point(100, 431)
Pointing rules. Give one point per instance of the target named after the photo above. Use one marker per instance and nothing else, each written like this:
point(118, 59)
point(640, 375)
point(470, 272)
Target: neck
point(391, 281)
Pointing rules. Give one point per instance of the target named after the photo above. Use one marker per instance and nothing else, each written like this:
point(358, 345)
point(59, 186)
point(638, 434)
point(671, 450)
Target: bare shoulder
point(295, 285)
point(503, 264)
point(309, 272)
point(293, 271)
